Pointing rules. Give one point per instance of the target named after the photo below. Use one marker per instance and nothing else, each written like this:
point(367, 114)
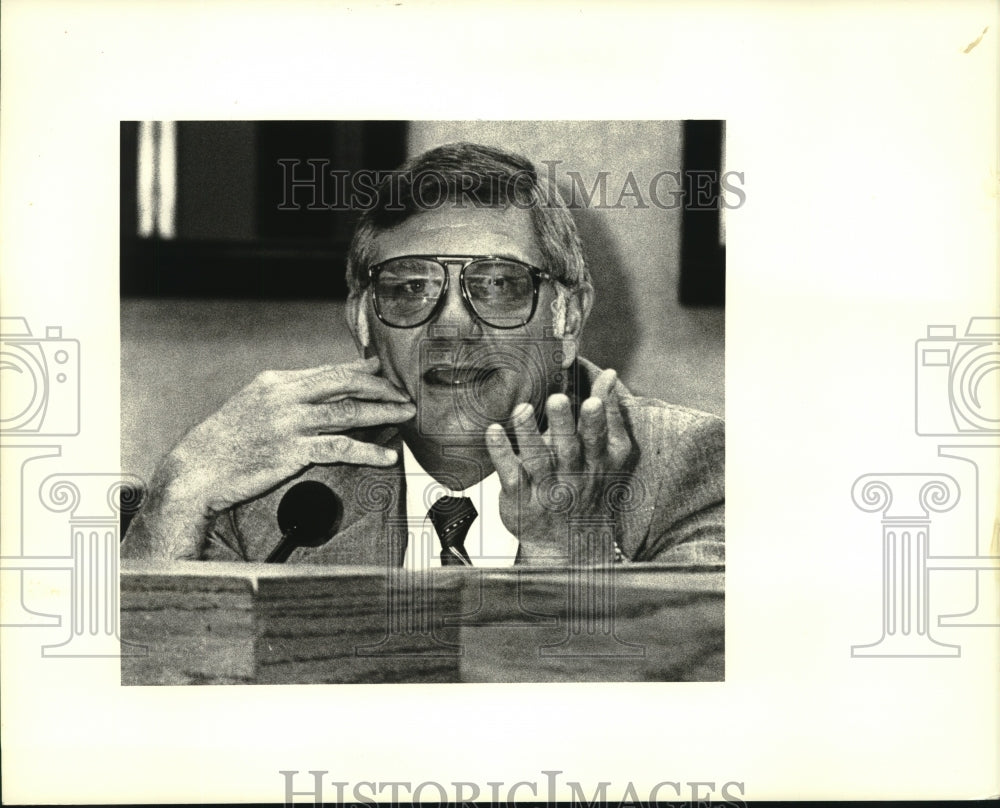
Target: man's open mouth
point(457, 376)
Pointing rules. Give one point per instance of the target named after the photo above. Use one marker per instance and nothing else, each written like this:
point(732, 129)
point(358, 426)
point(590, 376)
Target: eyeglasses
point(409, 290)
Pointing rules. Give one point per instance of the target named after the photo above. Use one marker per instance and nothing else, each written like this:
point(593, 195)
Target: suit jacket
point(668, 507)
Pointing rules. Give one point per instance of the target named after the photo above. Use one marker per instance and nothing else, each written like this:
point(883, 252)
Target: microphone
point(309, 515)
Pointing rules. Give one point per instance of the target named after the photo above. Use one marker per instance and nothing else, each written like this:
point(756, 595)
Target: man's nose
point(454, 314)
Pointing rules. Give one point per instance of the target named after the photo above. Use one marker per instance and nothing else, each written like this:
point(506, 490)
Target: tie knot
point(452, 517)
point(450, 513)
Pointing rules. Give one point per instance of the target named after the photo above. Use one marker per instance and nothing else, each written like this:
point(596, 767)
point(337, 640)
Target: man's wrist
point(172, 523)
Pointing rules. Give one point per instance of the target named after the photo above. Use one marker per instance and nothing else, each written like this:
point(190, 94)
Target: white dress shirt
point(488, 542)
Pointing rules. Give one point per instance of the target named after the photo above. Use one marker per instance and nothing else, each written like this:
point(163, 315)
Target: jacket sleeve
point(688, 524)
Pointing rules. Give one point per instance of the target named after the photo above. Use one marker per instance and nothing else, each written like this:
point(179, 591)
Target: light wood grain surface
point(218, 623)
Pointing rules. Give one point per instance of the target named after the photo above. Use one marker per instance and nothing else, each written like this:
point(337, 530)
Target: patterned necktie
point(452, 517)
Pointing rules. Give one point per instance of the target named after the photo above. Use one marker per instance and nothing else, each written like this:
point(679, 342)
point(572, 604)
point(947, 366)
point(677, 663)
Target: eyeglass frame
point(537, 275)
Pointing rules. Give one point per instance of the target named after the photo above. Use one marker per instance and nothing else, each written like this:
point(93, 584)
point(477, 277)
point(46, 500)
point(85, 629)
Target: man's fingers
point(532, 450)
point(593, 431)
point(342, 449)
point(369, 365)
point(346, 381)
point(562, 432)
point(619, 444)
point(352, 413)
point(504, 460)
point(604, 385)
point(619, 441)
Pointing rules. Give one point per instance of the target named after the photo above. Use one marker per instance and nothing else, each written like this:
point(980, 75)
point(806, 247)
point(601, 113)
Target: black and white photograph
point(439, 403)
point(420, 348)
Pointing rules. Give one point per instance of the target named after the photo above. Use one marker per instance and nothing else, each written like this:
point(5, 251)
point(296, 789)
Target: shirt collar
point(489, 543)
point(412, 468)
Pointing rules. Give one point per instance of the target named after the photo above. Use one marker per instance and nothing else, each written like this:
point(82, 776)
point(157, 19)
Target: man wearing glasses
point(471, 432)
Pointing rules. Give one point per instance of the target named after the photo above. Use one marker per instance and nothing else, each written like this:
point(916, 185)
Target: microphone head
point(309, 513)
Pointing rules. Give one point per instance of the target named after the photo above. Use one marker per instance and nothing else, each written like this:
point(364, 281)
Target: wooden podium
point(219, 623)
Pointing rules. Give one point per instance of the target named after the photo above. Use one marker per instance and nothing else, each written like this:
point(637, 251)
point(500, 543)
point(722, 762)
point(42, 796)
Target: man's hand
point(280, 423)
point(562, 476)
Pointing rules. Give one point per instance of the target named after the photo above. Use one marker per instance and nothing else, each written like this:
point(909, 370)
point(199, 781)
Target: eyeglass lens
point(501, 292)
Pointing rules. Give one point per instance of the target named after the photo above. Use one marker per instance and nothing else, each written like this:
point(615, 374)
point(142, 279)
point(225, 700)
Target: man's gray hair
point(470, 175)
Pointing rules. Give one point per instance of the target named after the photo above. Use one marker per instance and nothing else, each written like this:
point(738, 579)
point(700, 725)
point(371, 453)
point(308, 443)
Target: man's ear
point(577, 310)
point(357, 323)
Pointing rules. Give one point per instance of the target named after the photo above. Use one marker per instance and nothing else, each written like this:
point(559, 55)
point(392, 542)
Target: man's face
point(463, 374)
